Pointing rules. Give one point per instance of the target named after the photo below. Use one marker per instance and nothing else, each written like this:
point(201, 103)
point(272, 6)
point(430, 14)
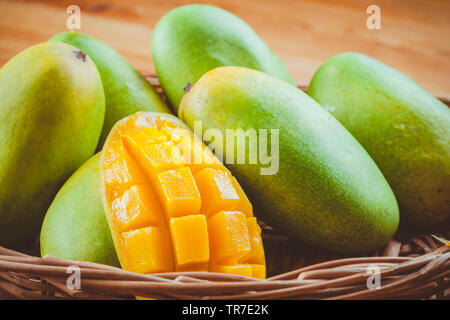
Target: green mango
point(191, 40)
point(75, 226)
point(52, 109)
point(126, 90)
point(326, 191)
point(404, 129)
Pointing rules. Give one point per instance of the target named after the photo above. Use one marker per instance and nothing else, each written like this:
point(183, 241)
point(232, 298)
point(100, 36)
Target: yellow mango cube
point(178, 193)
point(134, 140)
point(256, 254)
point(217, 191)
point(122, 174)
point(171, 205)
point(138, 207)
point(115, 150)
point(190, 242)
point(229, 239)
point(147, 250)
point(155, 158)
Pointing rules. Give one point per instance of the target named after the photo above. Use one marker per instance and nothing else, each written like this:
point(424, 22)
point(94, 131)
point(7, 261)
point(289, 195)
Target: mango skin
point(126, 90)
point(327, 192)
point(75, 226)
point(404, 129)
point(191, 40)
point(52, 108)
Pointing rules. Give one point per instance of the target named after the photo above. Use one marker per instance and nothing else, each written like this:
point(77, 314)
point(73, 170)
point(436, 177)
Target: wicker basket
point(411, 266)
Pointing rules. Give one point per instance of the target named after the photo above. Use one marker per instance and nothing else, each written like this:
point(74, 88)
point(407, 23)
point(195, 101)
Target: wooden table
point(414, 35)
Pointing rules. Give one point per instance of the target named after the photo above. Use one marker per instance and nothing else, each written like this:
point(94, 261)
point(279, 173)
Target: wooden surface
point(414, 37)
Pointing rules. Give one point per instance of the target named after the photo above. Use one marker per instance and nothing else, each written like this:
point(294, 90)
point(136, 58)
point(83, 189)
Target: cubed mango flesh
point(158, 157)
point(136, 208)
point(116, 150)
point(136, 139)
point(168, 214)
point(217, 191)
point(230, 240)
point(178, 193)
point(256, 254)
point(147, 250)
point(190, 242)
point(122, 174)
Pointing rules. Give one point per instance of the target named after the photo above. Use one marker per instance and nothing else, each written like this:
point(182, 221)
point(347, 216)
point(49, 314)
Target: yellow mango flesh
point(172, 206)
point(178, 192)
point(146, 250)
point(231, 239)
point(136, 208)
point(190, 241)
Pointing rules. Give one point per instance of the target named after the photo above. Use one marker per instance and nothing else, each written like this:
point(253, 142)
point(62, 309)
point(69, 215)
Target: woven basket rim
point(412, 276)
point(411, 266)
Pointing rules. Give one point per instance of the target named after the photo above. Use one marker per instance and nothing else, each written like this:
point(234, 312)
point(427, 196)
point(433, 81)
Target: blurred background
point(414, 35)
